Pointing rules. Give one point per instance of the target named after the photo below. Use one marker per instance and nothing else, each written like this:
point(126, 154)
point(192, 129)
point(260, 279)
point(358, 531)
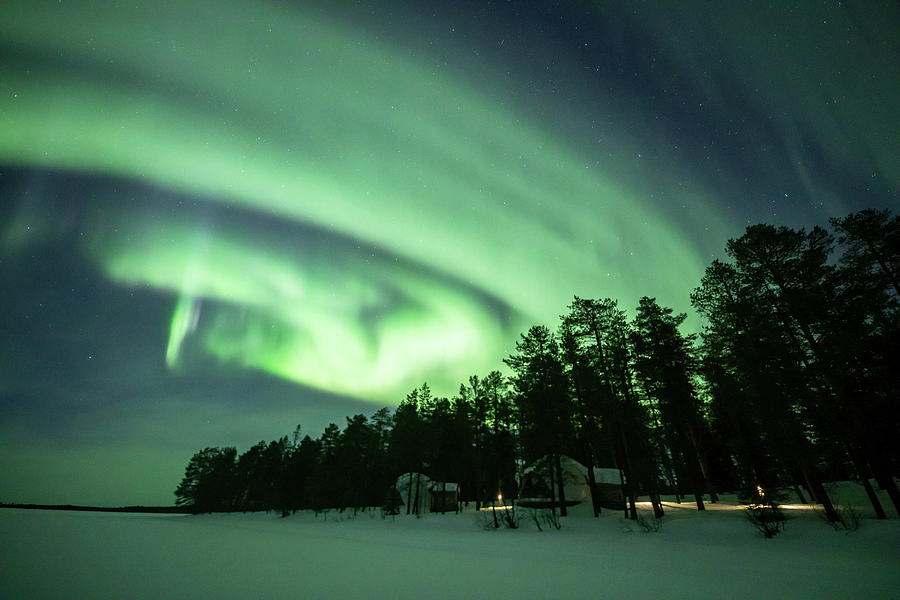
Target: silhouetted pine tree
point(868, 280)
point(300, 463)
point(444, 442)
point(406, 450)
point(773, 304)
point(727, 341)
point(501, 444)
point(544, 404)
point(324, 486)
point(475, 403)
point(602, 331)
point(664, 363)
point(261, 476)
point(586, 389)
point(209, 481)
point(355, 468)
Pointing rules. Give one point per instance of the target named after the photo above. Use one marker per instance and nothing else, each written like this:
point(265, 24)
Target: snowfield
point(716, 554)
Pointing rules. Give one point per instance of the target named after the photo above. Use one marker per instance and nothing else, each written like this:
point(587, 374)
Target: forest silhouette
point(791, 383)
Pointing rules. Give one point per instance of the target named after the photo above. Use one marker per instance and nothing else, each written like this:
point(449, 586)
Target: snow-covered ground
point(716, 554)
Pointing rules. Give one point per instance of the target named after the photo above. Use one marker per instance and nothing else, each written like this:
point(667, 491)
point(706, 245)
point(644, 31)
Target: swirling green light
point(255, 106)
point(324, 317)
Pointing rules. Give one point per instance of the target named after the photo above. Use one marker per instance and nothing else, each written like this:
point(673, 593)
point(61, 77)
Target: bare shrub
point(392, 503)
point(650, 523)
point(495, 518)
point(542, 517)
point(848, 518)
point(767, 518)
point(510, 517)
point(764, 511)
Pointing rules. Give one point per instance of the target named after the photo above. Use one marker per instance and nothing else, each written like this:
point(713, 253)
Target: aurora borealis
point(220, 219)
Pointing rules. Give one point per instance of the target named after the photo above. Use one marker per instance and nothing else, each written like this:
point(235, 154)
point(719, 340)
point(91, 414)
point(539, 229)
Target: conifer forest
point(790, 383)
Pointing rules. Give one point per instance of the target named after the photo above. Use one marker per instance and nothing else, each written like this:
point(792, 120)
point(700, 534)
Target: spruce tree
point(544, 405)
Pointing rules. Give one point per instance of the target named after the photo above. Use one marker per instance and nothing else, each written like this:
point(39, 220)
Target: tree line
point(792, 382)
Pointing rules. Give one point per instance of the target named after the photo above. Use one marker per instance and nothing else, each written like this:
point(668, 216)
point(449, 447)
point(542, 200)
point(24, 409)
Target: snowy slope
point(55, 554)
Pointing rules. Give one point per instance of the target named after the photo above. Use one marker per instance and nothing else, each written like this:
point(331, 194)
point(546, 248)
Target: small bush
point(848, 518)
point(392, 503)
point(510, 517)
point(542, 517)
point(768, 518)
point(764, 512)
point(650, 523)
point(507, 517)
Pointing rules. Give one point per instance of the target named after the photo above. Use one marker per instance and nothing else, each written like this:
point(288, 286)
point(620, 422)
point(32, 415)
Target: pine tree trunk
point(703, 463)
point(655, 498)
point(563, 510)
point(416, 501)
point(589, 454)
point(478, 472)
point(887, 483)
point(631, 513)
point(592, 484)
point(821, 497)
point(710, 486)
point(618, 465)
point(656, 501)
point(409, 494)
point(873, 498)
point(631, 508)
point(697, 480)
point(632, 504)
point(883, 476)
point(672, 478)
point(552, 485)
point(625, 494)
point(660, 440)
point(863, 473)
point(698, 497)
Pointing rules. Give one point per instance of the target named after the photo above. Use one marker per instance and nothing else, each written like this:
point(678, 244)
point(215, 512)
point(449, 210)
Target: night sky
point(219, 219)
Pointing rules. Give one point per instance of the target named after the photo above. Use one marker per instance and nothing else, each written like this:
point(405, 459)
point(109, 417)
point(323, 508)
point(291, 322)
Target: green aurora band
point(300, 313)
point(458, 204)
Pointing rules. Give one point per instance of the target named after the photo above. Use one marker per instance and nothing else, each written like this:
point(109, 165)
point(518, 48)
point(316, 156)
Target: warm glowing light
point(493, 508)
point(760, 490)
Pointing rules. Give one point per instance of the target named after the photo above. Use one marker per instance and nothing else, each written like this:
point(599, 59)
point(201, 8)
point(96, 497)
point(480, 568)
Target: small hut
point(444, 497)
point(414, 493)
point(536, 484)
point(418, 493)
